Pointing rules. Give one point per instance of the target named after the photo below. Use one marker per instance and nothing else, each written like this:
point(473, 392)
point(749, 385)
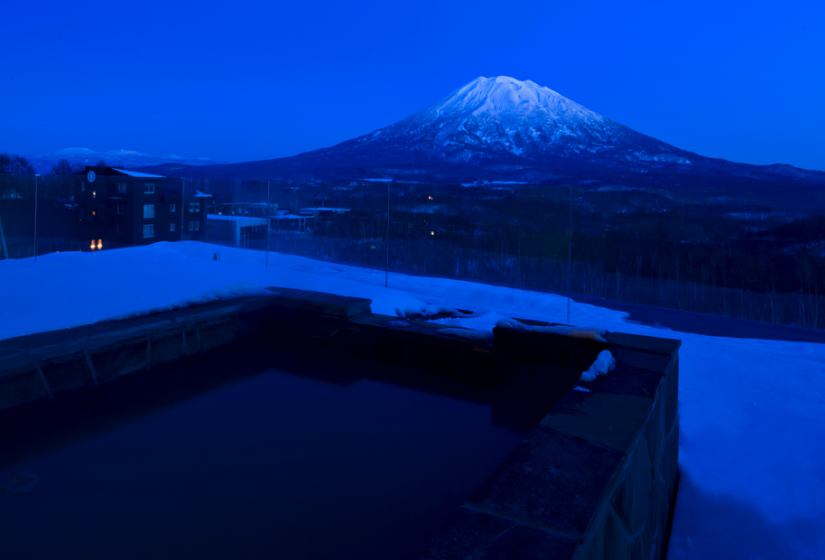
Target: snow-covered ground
point(752, 444)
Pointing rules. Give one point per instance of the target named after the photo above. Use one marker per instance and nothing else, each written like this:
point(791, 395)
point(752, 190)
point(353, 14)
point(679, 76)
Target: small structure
point(284, 222)
point(237, 231)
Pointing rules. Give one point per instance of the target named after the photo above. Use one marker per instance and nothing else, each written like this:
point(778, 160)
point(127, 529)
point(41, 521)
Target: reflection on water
point(252, 453)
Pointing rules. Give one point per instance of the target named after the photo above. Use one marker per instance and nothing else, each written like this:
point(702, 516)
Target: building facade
point(121, 208)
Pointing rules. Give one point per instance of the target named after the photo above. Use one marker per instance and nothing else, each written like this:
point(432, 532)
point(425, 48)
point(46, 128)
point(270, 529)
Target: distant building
point(323, 213)
point(253, 209)
point(284, 222)
point(120, 208)
point(237, 231)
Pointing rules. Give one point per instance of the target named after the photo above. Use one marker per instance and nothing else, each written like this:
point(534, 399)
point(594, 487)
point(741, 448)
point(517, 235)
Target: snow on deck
point(751, 449)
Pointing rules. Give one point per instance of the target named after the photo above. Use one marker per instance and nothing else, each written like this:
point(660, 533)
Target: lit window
point(197, 226)
point(191, 226)
point(171, 227)
point(171, 207)
point(93, 245)
point(191, 206)
point(121, 187)
point(99, 244)
point(432, 233)
point(94, 194)
point(148, 210)
point(94, 213)
point(148, 231)
point(148, 188)
point(197, 207)
point(121, 209)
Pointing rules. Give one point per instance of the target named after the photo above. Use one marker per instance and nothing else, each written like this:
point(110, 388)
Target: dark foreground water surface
point(290, 459)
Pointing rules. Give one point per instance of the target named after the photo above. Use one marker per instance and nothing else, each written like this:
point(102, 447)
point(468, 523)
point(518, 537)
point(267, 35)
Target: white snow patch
point(419, 308)
point(604, 363)
point(138, 174)
point(234, 291)
point(479, 321)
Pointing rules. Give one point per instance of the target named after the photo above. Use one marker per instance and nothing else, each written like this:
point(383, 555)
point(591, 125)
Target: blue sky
point(245, 80)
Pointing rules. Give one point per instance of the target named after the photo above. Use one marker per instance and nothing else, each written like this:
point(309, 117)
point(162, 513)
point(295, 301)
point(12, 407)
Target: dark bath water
point(297, 457)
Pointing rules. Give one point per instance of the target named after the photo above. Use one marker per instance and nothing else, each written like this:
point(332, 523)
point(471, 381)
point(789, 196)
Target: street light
point(36, 175)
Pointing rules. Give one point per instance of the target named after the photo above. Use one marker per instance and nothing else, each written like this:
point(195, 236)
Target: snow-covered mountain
point(505, 129)
point(493, 116)
point(121, 158)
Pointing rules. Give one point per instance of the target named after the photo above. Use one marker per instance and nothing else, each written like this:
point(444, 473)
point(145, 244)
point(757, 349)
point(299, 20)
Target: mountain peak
point(491, 118)
point(511, 98)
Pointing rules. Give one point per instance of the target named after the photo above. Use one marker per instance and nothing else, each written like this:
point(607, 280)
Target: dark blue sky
point(247, 80)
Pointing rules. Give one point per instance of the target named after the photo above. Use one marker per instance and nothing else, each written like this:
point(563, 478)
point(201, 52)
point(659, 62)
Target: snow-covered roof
point(235, 218)
point(137, 173)
point(199, 194)
point(288, 217)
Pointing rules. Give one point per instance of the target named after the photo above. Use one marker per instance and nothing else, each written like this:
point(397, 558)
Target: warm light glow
point(432, 233)
point(430, 197)
point(100, 244)
point(93, 244)
point(94, 213)
point(94, 194)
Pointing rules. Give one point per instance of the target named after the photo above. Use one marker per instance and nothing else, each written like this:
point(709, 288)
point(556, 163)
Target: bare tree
point(62, 167)
point(15, 165)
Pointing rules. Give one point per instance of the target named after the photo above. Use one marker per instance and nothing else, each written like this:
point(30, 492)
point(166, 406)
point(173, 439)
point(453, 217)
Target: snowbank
point(234, 291)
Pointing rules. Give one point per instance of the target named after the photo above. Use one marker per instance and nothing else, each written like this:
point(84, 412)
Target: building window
point(191, 206)
point(148, 210)
point(191, 226)
point(120, 229)
point(148, 188)
point(171, 207)
point(172, 227)
point(83, 186)
point(121, 187)
point(121, 209)
point(197, 226)
point(148, 231)
point(197, 207)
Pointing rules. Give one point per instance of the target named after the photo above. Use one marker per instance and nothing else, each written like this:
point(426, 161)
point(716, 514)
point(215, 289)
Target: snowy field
point(752, 445)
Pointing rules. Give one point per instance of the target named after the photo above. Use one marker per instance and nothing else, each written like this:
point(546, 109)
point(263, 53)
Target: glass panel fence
point(646, 248)
point(17, 202)
point(320, 220)
point(624, 245)
point(485, 233)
